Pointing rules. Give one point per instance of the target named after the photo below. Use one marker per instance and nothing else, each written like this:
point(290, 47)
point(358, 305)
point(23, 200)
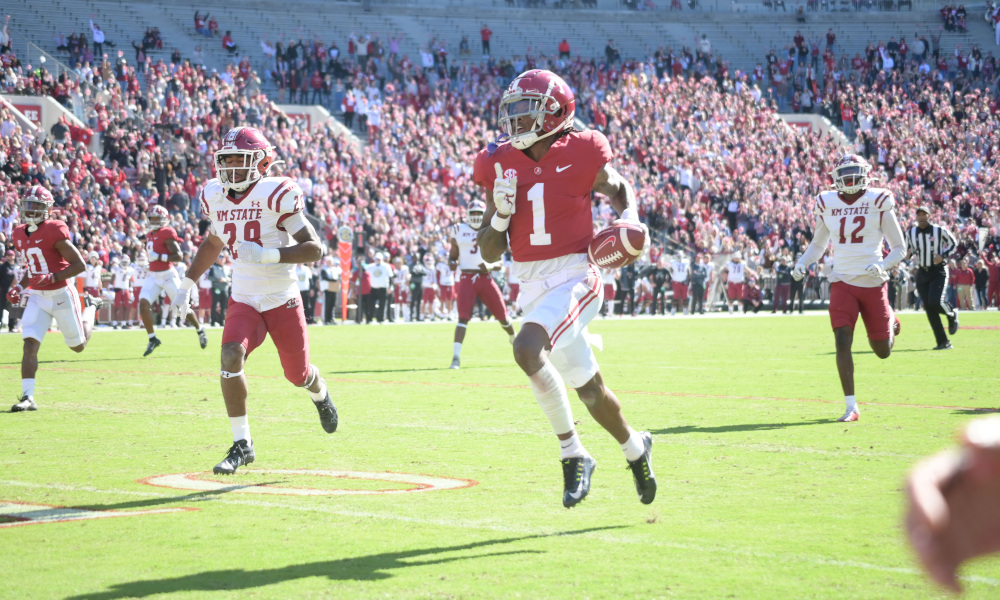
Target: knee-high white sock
point(241, 428)
point(550, 391)
point(28, 387)
point(89, 313)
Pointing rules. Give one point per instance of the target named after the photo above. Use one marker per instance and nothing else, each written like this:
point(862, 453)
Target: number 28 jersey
point(856, 232)
point(552, 211)
point(258, 215)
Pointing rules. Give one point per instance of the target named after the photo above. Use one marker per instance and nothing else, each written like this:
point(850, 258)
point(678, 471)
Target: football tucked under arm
point(618, 245)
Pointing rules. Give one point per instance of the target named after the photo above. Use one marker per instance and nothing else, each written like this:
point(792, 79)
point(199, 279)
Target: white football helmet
point(124, 261)
point(850, 176)
point(158, 217)
point(474, 214)
point(141, 260)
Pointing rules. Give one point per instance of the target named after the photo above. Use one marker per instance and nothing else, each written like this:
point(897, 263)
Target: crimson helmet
point(541, 96)
point(850, 176)
point(35, 205)
point(256, 152)
point(157, 217)
point(474, 214)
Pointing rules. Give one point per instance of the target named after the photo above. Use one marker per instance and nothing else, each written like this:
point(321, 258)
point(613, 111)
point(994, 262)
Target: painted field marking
point(418, 483)
point(454, 521)
point(17, 514)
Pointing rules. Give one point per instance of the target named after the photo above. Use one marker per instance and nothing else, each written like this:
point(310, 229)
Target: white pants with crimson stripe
point(63, 305)
point(563, 305)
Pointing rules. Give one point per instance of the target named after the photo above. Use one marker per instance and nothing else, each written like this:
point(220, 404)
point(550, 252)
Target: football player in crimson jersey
point(475, 281)
point(856, 219)
point(162, 249)
point(538, 184)
point(260, 219)
point(43, 246)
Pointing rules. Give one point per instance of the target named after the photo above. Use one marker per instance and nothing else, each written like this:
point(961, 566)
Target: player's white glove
point(504, 193)
point(255, 254)
point(182, 301)
point(876, 270)
point(798, 272)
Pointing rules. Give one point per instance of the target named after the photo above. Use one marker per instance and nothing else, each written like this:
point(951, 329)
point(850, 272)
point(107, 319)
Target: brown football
point(617, 246)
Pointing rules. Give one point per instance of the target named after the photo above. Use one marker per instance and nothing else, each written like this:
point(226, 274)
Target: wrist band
point(500, 223)
point(270, 256)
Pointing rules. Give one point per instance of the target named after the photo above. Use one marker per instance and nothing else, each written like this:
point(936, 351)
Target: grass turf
point(761, 494)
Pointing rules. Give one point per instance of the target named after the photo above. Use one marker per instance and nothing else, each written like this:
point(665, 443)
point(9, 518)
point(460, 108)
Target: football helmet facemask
point(850, 176)
point(535, 105)
point(35, 206)
point(254, 154)
point(474, 214)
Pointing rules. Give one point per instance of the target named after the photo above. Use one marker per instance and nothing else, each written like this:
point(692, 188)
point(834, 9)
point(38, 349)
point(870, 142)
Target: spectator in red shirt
point(564, 49)
point(228, 43)
point(486, 33)
point(965, 279)
point(993, 289)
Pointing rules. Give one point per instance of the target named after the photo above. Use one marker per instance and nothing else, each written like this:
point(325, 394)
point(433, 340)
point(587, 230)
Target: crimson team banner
point(345, 241)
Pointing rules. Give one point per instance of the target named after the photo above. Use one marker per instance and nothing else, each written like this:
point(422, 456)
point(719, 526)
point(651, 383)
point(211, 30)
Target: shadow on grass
point(732, 428)
point(868, 351)
point(976, 411)
point(372, 567)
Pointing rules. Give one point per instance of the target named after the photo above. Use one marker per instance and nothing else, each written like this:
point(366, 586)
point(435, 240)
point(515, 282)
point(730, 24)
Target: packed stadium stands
point(716, 169)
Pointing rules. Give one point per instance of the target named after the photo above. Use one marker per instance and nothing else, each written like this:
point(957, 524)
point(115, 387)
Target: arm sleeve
point(818, 245)
point(947, 242)
point(894, 235)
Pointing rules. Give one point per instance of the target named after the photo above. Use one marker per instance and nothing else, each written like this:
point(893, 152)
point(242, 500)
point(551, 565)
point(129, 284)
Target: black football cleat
point(240, 454)
point(202, 339)
point(153, 344)
point(576, 479)
point(642, 471)
point(327, 413)
point(456, 363)
point(24, 403)
point(944, 346)
point(96, 301)
point(953, 323)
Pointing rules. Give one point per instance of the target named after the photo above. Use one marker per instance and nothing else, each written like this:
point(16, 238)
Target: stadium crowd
point(716, 170)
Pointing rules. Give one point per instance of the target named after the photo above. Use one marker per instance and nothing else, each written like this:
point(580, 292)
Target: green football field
point(447, 484)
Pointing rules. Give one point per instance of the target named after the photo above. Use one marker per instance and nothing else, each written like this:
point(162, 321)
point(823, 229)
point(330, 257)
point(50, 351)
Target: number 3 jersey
point(257, 215)
point(856, 231)
point(466, 237)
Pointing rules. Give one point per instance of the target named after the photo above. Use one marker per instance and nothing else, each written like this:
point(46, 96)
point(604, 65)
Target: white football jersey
point(737, 271)
point(139, 274)
point(467, 238)
point(445, 276)
point(679, 271)
point(401, 276)
point(121, 277)
point(93, 278)
point(855, 232)
point(257, 217)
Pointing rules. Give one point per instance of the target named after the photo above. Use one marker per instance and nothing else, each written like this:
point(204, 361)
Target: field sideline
point(446, 484)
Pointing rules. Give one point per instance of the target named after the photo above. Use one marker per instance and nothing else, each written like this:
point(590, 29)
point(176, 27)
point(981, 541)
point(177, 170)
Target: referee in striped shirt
point(931, 244)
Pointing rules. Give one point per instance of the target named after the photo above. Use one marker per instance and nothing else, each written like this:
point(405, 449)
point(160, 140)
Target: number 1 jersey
point(553, 215)
point(255, 216)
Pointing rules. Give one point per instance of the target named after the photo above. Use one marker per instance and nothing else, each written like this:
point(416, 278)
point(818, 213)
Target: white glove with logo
point(798, 272)
point(876, 270)
point(504, 193)
point(255, 254)
point(183, 298)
